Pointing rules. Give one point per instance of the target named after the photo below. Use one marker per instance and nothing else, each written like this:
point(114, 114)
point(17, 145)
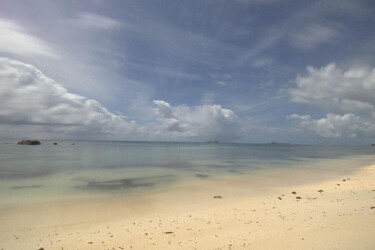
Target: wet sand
point(279, 209)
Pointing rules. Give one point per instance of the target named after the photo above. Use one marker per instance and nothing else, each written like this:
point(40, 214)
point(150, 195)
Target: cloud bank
point(330, 87)
point(350, 92)
point(33, 103)
point(337, 126)
point(28, 97)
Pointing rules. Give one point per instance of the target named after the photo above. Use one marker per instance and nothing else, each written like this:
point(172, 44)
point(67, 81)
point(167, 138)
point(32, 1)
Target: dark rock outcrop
point(29, 142)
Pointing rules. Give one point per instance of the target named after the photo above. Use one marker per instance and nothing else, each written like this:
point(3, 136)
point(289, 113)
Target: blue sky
point(240, 70)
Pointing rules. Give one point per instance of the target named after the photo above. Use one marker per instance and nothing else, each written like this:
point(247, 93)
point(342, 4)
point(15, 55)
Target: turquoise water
point(106, 167)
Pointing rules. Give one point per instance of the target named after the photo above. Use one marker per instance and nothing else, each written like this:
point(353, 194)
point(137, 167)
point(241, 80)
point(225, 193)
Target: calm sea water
point(108, 167)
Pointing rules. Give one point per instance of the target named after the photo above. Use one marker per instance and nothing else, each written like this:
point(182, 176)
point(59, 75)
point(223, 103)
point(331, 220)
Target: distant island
point(278, 143)
point(29, 142)
point(212, 141)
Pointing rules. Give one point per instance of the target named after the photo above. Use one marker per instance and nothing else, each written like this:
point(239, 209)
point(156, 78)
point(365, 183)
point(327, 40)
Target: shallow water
point(90, 168)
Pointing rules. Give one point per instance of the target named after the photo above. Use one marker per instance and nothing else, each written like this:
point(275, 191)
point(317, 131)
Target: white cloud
point(97, 21)
point(313, 35)
point(208, 122)
point(29, 98)
point(15, 39)
point(332, 88)
point(336, 126)
point(163, 109)
point(351, 91)
point(33, 104)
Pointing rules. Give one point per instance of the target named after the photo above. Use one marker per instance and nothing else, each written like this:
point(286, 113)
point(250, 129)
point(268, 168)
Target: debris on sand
point(217, 197)
point(320, 191)
point(294, 192)
point(169, 232)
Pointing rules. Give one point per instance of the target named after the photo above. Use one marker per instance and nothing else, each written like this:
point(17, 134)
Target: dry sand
point(336, 211)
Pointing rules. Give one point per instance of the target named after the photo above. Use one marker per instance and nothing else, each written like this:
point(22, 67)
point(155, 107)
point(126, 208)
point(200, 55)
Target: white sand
point(248, 216)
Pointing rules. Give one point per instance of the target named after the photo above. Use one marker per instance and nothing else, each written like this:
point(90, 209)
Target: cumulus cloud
point(336, 126)
point(350, 91)
point(210, 121)
point(15, 39)
point(33, 104)
point(29, 98)
point(332, 88)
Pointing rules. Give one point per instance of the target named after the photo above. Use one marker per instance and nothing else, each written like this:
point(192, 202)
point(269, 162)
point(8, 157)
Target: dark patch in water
point(126, 183)
point(202, 176)
point(234, 171)
point(26, 187)
point(174, 165)
point(117, 184)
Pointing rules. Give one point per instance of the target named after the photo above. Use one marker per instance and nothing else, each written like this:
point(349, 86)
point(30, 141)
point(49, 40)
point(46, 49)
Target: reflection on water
point(98, 167)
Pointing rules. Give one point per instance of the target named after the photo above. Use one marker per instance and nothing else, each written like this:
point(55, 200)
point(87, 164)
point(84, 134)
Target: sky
point(256, 71)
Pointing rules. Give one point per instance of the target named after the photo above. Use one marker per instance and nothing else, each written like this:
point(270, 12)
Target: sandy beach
point(196, 124)
point(302, 210)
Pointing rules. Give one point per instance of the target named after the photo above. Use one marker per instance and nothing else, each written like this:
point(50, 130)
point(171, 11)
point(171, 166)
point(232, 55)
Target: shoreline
point(189, 217)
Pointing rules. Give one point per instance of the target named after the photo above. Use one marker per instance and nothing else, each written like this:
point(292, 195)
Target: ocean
point(76, 169)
